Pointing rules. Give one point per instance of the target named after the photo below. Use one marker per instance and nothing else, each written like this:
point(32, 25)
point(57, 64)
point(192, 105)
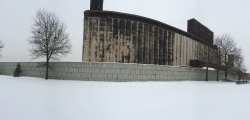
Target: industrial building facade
point(119, 37)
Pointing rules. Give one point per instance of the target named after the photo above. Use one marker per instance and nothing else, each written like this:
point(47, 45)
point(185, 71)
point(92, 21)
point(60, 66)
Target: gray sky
point(221, 16)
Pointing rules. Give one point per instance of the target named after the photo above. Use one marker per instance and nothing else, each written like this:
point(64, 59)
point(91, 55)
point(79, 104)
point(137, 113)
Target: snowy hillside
point(27, 98)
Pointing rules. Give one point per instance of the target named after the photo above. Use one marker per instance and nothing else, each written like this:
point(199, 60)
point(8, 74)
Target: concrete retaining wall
point(91, 71)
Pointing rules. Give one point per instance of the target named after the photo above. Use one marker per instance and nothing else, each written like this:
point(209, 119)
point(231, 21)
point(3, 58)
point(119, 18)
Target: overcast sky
point(221, 16)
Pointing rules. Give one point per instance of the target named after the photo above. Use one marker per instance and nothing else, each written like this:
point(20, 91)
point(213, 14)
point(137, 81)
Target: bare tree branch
point(239, 65)
point(227, 47)
point(207, 56)
point(49, 38)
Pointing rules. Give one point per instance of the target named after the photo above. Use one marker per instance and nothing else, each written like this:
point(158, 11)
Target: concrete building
point(120, 37)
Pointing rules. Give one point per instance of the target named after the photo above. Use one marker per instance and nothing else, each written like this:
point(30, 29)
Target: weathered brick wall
point(91, 71)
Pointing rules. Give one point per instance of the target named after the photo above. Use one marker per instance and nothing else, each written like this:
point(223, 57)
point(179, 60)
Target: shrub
point(17, 71)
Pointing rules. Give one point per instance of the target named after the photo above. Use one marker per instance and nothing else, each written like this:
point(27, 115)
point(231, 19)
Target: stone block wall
point(118, 72)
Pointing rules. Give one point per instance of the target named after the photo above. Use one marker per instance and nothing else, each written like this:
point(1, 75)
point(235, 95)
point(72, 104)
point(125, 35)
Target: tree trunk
point(47, 60)
point(207, 74)
point(226, 66)
point(226, 73)
point(47, 69)
point(217, 77)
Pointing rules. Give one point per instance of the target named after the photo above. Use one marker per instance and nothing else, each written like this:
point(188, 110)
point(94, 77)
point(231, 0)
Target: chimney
point(96, 5)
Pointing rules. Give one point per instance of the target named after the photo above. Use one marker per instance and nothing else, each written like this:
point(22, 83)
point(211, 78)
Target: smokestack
point(96, 5)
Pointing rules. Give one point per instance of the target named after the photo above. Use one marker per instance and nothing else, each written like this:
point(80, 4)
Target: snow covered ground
point(27, 98)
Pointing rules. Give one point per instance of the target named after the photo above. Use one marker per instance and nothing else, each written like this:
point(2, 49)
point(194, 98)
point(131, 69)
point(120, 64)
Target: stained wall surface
point(126, 38)
point(117, 72)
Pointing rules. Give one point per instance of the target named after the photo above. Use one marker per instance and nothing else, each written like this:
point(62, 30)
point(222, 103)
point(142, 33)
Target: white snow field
point(27, 98)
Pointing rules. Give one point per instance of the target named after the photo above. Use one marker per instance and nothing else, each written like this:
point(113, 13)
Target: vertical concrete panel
point(113, 44)
point(97, 44)
point(137, 42)
point(102, 40)
point(127, 42)
point(105, 51)
point(109, 50)
point(164, 47)
point(86, 40)
point(91, 53)
point(94, 40)
point(151, 44)
point(89, 49)
point(172, 44)
point(115, 38)
point(122, 40)
point(160, 60)
point(191, 50)
point(131, 45)
point(146, 43)
point(187, 52)
point(142, 44)
point(183, 51)
point(175, 50)
point(169, 47)
point(133, 50)
point(179, 49)
point(139, 54)
point(175, 46)
point(195, 50)
point(90, 24)
point(198, 49)
point(156, 44)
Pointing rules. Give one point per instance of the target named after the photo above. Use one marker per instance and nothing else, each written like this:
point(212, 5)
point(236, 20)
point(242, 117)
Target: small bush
point(17, 71)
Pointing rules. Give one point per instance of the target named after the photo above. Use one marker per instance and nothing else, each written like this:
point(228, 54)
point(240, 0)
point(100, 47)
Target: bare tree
point(1, 46)
point(207, 56)
point(227, 47)
point(49, 38)
point(239, 66)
